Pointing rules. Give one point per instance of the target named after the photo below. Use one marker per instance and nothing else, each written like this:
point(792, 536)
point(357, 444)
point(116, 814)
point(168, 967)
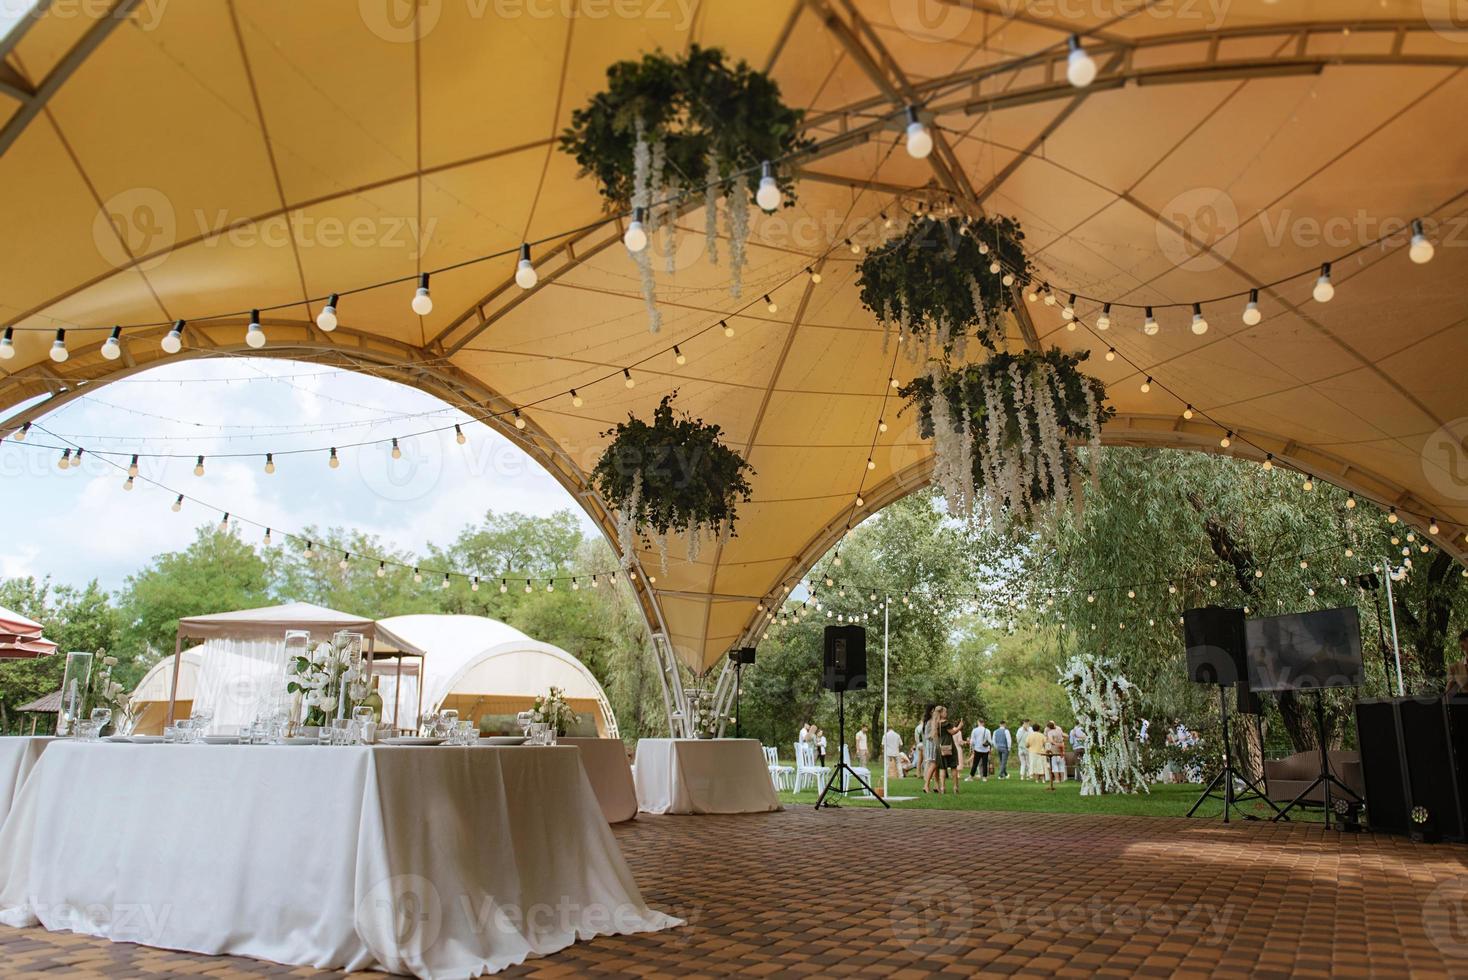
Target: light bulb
point(919, 140)
point(1149, 324)
point(525, 275)
point(1031, 295)
point(768, 195)
point(199, 466)
point(332, 460)
point(1392, 517)
point(1008, 279)
point(177, 504)
point(20, 433)
point(1200, 325)
point(679, 356)
point(1432, 527)
point(326, 319)
point(1421, 249)
point(65, 461)
point(860, 501)
point(1147, 385)
point(381, 569)
point(1111, 353)
point(459, 436)
point(627, 379)
point(994, 267)
point(1252, 314)
point(728, 330)
point(870, 464)
point(1350, 503)
point(397, 453)
point(1080, 69)
point(1308, 485)
point(1188, 412)
point(111, 348)
point(474, 586)
point(418, 576)
point(422, 302)
point(346, 560)
point(1324, 290)
point(267, 537)
point(635, 238)
point(1227, 439)
point(519, 422)
point(59, 353)
point(881, 425)
point(815, 277)
point(1048, 296)
point(132, 467)
point(1268, 462)
point(576, 400)
point(269, 463)
point(504, 587)
point(255, 336)
point(1103, 322)
point(173, 340)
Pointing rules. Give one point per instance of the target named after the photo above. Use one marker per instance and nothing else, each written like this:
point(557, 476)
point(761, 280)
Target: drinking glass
point(100, 719)
point(341, 731)
point(176, 732)
point(200, 719)
point(428, 724)
point(366, 730)
point(86, 730)
point(448, 721)
point(468, 735)
point(523, 720)
point(323, 735)
point(538, 731)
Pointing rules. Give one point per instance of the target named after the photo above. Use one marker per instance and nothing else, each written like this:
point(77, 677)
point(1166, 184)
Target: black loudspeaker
point(743, 655)
point(1214, 637)
point(845, 662)
point(1436, 813)
point(1381, 766)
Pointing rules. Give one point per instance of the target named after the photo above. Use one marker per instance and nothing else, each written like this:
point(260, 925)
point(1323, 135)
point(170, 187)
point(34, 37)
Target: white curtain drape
point(239, 680)
point(406, 715)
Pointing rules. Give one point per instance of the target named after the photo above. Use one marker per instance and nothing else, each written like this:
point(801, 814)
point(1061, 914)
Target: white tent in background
point(480, 667)
point(242, 659)
point(151, 694)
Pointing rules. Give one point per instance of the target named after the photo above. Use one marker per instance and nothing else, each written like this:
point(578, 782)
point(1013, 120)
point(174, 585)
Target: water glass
point(175, 733)
point(428, 724)
point(448, 721)
point(468, 734)
point(366, 728)
point(538, 732)
point(86, 730)
point(341, 731)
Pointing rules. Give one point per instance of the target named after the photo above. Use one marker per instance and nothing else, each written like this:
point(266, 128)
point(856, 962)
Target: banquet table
point(715, 775)
point(610, 774)
point(435, 861)
point(18, 756)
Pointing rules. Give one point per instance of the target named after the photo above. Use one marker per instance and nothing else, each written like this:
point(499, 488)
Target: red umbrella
point(21, 637)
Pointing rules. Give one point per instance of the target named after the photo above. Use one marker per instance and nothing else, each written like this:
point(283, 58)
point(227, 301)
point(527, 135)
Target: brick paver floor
point(913, 893)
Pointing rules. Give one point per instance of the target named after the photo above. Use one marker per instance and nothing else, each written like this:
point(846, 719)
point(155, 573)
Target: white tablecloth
point(690, 775)
point(610, 774)
point(433, 861)
point(18, 756)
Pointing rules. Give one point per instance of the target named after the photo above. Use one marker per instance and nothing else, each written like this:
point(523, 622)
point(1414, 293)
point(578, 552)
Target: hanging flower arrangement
point(1004, 431)
point(669, 127)
point(1101, 699)
point(946, 279)
point(673, 476)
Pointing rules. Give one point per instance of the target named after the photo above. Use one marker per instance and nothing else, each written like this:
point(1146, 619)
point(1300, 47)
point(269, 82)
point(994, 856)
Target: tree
point(75, 619)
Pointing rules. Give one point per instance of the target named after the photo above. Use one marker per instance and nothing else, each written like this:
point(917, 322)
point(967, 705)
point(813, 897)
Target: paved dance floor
point(908, 894)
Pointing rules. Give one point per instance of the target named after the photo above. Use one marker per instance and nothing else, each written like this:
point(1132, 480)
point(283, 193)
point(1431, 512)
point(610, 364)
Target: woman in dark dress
point(947, 757)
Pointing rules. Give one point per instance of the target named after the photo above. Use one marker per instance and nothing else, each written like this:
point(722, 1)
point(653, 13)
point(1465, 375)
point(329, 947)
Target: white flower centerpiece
point(552, 709)
point(329, 678)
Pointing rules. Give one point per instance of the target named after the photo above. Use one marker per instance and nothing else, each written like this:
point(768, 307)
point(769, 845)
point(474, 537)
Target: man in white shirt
point(891, 749)
point(863, 753)
point(1020, 734)
point(1078, 743)
point(981, 741)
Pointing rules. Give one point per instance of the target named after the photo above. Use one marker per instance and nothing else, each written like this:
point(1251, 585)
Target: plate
point(145, 739)
point(222, 739)
point(119, 738)
point(502, 740)
point(302, 740)
point(412, 740)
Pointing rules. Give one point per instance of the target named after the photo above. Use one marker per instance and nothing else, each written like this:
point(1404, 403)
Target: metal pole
point(886, 726)
point(1391, 608)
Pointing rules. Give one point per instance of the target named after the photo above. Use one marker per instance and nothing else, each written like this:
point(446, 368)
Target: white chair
point(861, 771)
point(781, 776)
point(806, 770)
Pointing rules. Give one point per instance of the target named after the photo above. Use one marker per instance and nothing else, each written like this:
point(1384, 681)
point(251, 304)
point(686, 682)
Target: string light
point(1432, 527)
point(1200, 325)
point(525, 275)
point(628, 376)
point(770, 304)
point(7, 344)
point(346, 560)
point(59, 353)
point(768, 195)
point(576, 400)
point(1252, 315)
point(1308, 485)
point(519, 422)
point(881, 425)
point(178, 504)
point(815, 277)
point(1227, 439)
point(445, 583)
point(1421, 250)
point(1111, 353)
point(678, 356)
point(1103, 322)
point(728, 330)
point(1069, 311)
point(919, 140)
point(266, 540)
point(1147, 384)
point(255, 334)
point(326, 319)
point(1391, 518)
point(422, 302)
point(417, 576)
point(132, 466)
point(474, 584)
point(635, 237)
point(310, 551)
point(224, 523)
point(459, 436)
point(381, 569)
point(269, 463)
point(504, 586)
point(332, 460)
point(172, 342)
point(111, 347)
point(397, 453)
point(1351, 502)
point(199, 466)
point(1324, 290)
point(1149, 323)
point(854, 247)
point(1188, 411)
point(1268, 462)
point(65, 461)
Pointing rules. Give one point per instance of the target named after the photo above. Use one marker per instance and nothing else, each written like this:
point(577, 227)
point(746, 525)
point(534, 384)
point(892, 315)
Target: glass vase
point(74, 690)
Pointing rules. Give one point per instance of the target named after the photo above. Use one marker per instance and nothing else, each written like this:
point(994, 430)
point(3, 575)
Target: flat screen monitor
point(1304, 650)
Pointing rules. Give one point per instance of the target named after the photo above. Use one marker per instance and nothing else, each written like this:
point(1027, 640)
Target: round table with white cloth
point(434, 861)
point(610, 774)
point(18, 756)
point(714, 775)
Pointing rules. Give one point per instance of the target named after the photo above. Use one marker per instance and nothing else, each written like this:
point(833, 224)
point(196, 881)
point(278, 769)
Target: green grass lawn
point(1164, 800)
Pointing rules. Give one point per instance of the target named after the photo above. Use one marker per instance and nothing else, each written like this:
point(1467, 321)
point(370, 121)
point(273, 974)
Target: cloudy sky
point(78, 524)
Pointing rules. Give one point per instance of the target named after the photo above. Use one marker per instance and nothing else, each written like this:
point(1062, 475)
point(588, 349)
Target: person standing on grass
point(922, 751)
point(1022, 742)
point(892, 753)
point(1078, 743)
point(1055, 751)
point(821, 746)
point(982, 742)
point(863, 750)
point(1037, 764)
point(1003, 742)
point(941, 735)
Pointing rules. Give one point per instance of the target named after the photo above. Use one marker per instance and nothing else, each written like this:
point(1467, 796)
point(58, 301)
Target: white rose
point(109, 661)
point(328, 703)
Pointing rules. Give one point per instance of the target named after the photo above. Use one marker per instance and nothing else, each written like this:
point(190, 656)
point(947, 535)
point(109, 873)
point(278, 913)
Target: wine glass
point(428, 724)
point(448, 722)
point(100, 718)
point(362, 718)
point(523, 720)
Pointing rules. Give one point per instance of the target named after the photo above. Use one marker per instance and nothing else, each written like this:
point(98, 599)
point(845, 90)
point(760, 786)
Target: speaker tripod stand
point(1221, 787)
point(1326, 779)
point(843, 768)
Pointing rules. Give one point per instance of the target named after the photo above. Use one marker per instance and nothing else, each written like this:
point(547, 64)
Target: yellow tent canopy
point(194, 161)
